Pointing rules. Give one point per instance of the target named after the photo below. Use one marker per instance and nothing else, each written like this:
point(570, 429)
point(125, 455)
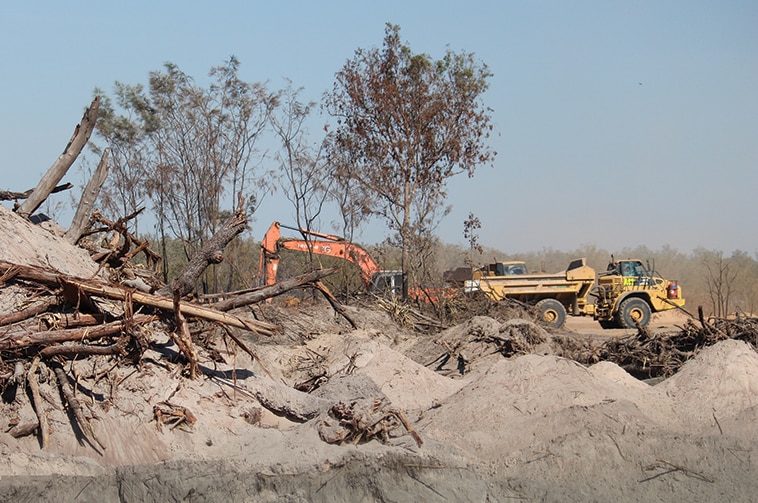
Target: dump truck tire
point(632, 312)
point(552, 313)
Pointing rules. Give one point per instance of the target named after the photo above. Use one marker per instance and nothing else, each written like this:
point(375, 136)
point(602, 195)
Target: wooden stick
point(76, 408)
point(333, 301)
point(6, 195)
point(33, 381)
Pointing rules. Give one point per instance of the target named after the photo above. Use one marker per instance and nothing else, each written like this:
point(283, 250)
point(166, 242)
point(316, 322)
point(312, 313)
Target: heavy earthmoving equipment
point(626, 295)
point(375, 279)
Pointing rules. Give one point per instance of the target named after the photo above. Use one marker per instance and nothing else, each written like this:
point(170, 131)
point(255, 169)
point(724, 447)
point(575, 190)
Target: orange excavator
point(375, 279)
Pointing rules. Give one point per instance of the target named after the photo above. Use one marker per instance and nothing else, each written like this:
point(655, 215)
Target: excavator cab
point(387, 282)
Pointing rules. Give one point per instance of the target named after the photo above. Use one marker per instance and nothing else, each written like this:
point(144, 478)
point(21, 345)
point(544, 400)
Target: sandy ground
point(532, 428)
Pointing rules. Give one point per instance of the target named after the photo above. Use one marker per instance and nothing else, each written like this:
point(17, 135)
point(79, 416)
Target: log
point(82, 350)
point(29, 312)
point(53, 279)
point(33, 381)
point(211, 253)
point(89, 196)
point(78, 141)
point(14, 342)
point(261, 294)
point(76, 408)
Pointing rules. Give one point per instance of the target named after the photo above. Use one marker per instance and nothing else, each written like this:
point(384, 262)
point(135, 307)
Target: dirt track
point(660, 322)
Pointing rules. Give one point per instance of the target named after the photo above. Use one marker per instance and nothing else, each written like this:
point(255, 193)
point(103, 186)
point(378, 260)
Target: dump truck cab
point(628, 292)
point(512, 268)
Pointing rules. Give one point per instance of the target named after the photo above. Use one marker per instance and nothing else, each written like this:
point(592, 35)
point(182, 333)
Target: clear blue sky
point(619, 123)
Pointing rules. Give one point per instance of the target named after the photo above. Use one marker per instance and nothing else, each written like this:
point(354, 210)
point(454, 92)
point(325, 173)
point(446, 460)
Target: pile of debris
point(77, 295)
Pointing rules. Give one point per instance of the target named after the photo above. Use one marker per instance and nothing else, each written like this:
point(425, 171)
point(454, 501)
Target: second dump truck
point(625, 295)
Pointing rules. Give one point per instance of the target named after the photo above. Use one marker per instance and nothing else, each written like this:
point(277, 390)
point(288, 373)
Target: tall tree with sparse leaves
point(410, 123)
point(190, 150)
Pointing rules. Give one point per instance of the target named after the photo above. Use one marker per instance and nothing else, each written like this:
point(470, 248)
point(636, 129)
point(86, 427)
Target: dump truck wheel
point(632, 312)
point(552, 313)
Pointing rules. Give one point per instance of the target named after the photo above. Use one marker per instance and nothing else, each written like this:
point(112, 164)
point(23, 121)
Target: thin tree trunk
point(89, 196)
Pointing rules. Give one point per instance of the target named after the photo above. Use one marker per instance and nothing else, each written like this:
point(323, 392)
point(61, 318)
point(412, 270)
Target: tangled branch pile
point(647, 355)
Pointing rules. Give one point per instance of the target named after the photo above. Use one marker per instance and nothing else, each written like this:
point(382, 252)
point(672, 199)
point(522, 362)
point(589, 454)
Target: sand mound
point(532, 427)
point(720, 382)
point(24, 243)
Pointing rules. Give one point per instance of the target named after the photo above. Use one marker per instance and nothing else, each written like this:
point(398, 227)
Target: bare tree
point(720, 280)
point(190, 150)
point(410, 123)
point(305, 176)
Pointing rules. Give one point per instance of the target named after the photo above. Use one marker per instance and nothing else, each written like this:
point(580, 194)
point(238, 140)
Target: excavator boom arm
point(330, 245)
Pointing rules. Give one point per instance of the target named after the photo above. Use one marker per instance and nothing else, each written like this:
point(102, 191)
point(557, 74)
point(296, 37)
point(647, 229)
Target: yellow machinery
point(625, 295)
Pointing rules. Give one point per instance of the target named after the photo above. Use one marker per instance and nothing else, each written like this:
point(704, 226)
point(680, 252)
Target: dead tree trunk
point(211, 253)
point(81, 136)
point(245, 299)
point(6, 195)
point(81, 218)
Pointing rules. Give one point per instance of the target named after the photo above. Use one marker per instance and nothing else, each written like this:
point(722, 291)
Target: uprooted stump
point(362, 421)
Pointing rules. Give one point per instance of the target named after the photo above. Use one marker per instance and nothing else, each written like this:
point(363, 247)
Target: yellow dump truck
point(625, 295)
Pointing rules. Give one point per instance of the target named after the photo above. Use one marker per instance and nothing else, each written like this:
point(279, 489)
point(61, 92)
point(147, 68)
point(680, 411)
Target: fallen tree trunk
point(81, 136)
point(211, 253)
point(53, 279)
point(267, 292)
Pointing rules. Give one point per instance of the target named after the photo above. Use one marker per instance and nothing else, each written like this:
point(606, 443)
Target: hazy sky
point(618, 123)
